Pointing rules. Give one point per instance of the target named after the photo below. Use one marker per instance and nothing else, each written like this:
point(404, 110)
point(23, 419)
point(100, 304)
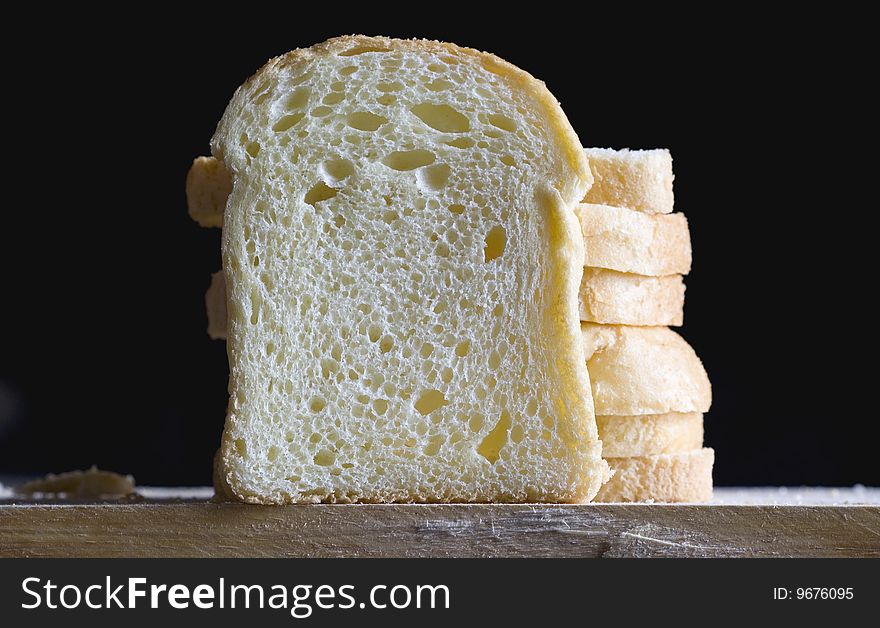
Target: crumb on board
point(92, 483)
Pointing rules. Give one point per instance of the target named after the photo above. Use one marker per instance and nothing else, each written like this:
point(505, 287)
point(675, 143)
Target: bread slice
point(208, 185)
point(637, 179)
point(626, 436)
point(402, 263)
point(608, 296)
point(644, 370)
point(681, 477)
point(632, 242)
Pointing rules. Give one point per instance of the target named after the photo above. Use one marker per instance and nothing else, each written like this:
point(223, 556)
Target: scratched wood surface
point(741, 522)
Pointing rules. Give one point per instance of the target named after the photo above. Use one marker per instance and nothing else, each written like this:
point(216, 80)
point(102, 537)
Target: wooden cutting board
point(182, 522)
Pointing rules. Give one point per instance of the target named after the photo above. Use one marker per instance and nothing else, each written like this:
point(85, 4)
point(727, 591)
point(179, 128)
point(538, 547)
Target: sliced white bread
point(644, 370)
point(402, 263)
point(633, 242)
point(637, 179)
point(208, 185)
point(648, 434)
point(607, 296)
point(680, 477)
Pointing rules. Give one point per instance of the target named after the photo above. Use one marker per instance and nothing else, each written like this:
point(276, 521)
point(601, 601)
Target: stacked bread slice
point(649, 387)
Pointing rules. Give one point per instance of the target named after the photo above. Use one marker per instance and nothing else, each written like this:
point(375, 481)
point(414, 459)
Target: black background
point(104, 355)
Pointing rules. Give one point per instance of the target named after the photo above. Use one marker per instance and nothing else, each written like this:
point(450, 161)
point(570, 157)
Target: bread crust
point(564, 263)
point(679, 477)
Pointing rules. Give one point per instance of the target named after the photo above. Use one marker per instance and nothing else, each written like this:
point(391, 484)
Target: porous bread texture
point(208, 185)
point(628, 241)
point(643, 370)
point(607, 296)
point(215, 305)
point(626, 436)
point(402, 262)
point(637, 179)
point(681, 477)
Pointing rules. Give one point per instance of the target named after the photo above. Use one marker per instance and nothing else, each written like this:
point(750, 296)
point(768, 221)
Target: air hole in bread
point(434, 178)
point(508, 160)
point(348, 70)
point(256, 302)
point(328, 367)
point(461, 142)
point(430, 400)
point(386, 99)
point(272, 454)
point(264, 91)
point(319, 192)
point(253, 148)
point(317, 404)
point(365, 121)
point(462, 348)
point(297, 99)
point(434, 444)
point(441, 118)
point(380, 406)
point(517, 434)
point(325, 458)
point(338, 169)
point(374, 333)
point(287, 122)
point(491, 446)
point(241, 447)
point(426, 350)
point(502, 122)
point(333, 98)
point(455, 208)
point(494, 360)
point(320, 112)
point(359, 50)
point(438, 85)
point(390, 216)
point(446, 374)
point(496, 240)
point(409, 159)
point(386, 344)
point(437, 67)
point(394, 86)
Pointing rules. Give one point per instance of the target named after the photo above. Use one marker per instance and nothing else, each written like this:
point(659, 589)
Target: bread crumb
point(92, 483)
